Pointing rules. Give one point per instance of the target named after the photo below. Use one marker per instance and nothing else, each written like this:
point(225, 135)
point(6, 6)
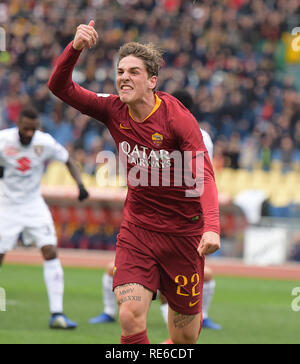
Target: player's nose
point(125, 76)
point(29, 133)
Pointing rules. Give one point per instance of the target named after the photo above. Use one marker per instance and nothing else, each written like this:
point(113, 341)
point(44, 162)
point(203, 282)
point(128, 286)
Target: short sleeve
point(56, 151)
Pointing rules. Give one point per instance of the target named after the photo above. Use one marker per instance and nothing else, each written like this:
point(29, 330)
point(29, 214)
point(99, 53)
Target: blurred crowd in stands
point(232, 55)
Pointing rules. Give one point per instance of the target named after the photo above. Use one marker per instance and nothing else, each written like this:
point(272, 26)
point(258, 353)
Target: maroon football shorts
point(164, 262)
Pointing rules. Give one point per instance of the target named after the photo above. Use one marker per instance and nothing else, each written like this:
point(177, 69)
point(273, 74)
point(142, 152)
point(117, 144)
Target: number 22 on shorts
point(182, 281)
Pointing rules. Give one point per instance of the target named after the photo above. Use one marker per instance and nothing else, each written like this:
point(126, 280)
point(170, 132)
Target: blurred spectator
point(60, 128)
point(266, 152)
point(233, 152)
point(249, 151)
point(296, 134)
point(295, 251)
point(286, 153)
point(232, 55)
point(219, 157)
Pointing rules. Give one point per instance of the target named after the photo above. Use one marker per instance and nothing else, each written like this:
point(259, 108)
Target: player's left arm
point(210, 241)
point(56, 151)
point(190, 139)
point(75, 173)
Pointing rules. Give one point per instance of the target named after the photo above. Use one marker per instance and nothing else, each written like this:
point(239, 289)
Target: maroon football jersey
point(154, 151)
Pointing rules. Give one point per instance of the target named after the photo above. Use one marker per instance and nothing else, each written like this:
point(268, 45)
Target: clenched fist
point(83, 193)
point(86, 36)
point(209, 243)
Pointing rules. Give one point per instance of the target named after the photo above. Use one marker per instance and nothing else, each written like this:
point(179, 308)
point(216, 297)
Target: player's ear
point(152, 82)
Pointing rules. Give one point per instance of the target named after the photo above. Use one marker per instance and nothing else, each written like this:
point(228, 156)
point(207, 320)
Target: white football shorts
point(32, 219)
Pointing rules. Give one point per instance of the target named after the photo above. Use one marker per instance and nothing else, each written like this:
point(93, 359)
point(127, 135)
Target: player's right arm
point(61, 83)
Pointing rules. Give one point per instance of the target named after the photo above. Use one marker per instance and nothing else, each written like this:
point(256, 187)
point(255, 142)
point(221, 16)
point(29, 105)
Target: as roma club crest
point(157, 139)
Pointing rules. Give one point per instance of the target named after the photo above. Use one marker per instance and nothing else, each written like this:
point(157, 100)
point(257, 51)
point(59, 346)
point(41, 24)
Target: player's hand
point(209, 243)
point(83, 193)
point(86, 36)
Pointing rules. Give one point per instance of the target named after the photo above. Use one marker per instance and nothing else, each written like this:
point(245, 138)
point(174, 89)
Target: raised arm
point(61, 83)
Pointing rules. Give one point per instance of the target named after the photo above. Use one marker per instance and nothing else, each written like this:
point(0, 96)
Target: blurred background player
point(23, 153)
point(110, 306)
point(209, 283)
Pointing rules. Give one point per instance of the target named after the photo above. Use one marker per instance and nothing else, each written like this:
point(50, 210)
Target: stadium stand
point(234, 56)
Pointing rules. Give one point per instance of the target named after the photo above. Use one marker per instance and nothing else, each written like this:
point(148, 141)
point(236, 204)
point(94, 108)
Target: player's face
point(27, 128)
point(133, 82)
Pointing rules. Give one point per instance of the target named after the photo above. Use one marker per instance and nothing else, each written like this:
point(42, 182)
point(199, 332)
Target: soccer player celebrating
point(23, 153)
point(110, 307)
point(168, 228)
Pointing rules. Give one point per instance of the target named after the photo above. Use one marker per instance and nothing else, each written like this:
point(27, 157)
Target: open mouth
point(126, 88)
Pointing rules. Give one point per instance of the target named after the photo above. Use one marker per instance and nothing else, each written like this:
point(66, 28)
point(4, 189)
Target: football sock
point(109, 299)
point(2, 299)
point(140, 338)
point(208, 293)
point(54, 280)
point(164, 311)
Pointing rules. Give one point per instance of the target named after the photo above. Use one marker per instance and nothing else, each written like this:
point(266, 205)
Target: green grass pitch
point(250, 310)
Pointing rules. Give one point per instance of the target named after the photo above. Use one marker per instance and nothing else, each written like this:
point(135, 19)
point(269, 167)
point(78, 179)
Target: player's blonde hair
point(148, 53)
